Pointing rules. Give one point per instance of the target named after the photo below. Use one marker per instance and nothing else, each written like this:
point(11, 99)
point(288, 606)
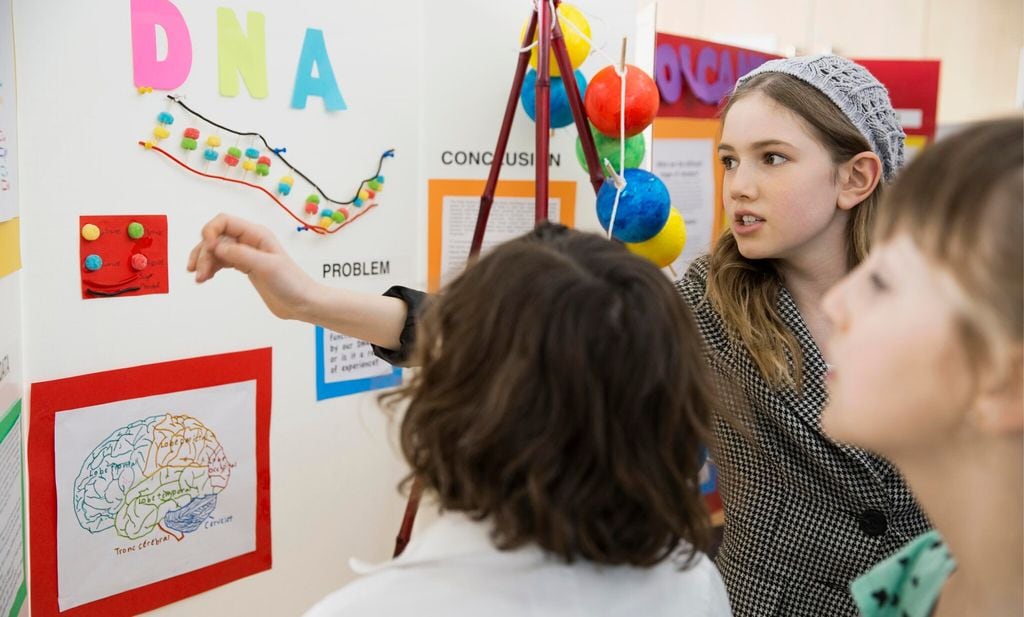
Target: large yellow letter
point(238, 53)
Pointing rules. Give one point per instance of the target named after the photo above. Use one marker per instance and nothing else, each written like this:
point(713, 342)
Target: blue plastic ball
point(561, 112)
point(210, 154)
point(643, 206)
point(165, 118)
point(284, 188)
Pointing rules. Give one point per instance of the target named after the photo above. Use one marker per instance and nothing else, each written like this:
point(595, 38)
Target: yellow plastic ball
point(667, 245)
point(161, 133)
point(249, 165)
point(213, 141)
point(326, 222)
point(578, 46)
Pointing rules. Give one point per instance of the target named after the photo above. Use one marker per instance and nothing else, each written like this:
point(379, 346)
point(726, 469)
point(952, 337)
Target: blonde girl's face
point(780, 188)
point(900, 377)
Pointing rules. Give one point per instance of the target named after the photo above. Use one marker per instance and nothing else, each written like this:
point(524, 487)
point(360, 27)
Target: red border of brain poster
point(250, 369)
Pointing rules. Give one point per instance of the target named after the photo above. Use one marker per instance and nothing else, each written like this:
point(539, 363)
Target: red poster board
point(694, 76)
point(913, 89)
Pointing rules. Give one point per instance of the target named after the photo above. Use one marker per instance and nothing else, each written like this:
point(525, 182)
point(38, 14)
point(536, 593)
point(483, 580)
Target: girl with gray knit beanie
point(808, 145)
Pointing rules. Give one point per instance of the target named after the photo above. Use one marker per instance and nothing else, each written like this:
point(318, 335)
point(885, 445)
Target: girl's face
point(900, 378)
point(780, 188)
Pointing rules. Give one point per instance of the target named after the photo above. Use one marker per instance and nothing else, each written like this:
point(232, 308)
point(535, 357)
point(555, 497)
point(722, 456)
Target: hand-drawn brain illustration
point(165, 471)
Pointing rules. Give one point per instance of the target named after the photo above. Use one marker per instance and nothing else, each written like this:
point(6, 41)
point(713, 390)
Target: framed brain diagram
point(151, 483)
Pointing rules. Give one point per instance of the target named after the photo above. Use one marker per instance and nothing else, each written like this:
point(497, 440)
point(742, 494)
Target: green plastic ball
point(608, 148)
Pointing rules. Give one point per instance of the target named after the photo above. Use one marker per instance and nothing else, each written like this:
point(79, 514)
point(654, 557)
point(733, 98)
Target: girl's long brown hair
point(562, 396)
point(745, 291)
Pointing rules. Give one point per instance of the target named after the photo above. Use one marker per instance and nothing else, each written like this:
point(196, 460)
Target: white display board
point(8, 117)
point(422, 77)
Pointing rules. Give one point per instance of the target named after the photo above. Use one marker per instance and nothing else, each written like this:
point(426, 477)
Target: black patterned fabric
point(804, 516)
point(413, 301)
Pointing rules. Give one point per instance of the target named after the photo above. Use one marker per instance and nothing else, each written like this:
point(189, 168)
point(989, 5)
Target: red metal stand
point(549, 40)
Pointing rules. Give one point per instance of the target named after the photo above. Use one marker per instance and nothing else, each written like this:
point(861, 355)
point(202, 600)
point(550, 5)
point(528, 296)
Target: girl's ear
point(858, 177)
point(999, 407)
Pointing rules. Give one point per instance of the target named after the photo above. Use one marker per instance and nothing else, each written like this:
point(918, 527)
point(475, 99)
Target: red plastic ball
point(603, 97)
point(311, 208)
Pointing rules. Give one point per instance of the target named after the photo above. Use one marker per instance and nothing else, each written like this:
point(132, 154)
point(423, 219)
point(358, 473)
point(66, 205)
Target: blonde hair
point(962, 204)
point(745, 291)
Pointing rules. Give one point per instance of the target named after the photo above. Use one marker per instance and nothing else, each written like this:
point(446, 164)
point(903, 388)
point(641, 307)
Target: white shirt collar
point(452, 535)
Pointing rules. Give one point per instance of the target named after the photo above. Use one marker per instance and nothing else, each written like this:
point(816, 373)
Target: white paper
point(347, 358)
point(910, 118)
point(510, 217)
point(8, 117)
point(12, 571)
point(686, 166)
point(127, 474)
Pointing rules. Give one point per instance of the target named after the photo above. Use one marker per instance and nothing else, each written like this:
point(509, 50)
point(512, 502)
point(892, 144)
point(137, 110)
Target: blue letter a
point(314, 54)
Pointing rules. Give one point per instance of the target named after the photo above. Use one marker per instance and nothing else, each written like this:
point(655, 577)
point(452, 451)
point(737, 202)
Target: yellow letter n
point(238, 53)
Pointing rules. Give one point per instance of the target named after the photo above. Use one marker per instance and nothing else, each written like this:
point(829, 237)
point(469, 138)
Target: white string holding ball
point(620, 180)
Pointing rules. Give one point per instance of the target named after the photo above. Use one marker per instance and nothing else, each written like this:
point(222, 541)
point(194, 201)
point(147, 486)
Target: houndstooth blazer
point(803, 515)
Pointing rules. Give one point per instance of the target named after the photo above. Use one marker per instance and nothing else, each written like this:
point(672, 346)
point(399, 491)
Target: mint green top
point(908, 583)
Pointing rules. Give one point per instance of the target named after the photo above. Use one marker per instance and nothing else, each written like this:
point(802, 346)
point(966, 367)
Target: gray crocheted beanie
point(861, 97)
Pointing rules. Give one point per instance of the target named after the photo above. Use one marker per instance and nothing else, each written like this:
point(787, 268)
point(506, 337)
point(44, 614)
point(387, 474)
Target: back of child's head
point(562, 396)
point(962, 203)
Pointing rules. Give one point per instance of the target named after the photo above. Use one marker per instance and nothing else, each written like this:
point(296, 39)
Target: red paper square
point(116, 277)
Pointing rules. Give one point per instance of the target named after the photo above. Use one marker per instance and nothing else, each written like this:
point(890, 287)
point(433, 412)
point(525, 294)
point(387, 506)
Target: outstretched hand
point(233, 242)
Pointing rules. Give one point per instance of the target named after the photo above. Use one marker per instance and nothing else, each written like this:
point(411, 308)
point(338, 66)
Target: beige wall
point(978, 41)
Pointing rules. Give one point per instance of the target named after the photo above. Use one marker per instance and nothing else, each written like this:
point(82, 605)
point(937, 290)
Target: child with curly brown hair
point(557, 416)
